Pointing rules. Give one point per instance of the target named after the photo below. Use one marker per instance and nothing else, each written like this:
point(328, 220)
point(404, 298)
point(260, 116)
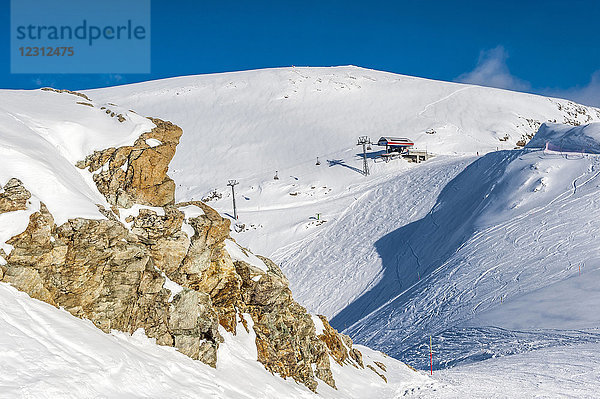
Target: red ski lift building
point(395, 144)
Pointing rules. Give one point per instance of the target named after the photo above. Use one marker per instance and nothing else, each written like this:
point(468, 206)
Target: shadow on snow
point(416, 250)
point(341, 162)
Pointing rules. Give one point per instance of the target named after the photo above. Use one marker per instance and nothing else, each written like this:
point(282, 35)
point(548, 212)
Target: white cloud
point(492, 71)
point(588, 94)
point(41, 82)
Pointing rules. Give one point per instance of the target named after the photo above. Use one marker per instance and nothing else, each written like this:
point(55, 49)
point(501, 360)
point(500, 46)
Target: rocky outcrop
point(13, 196)
point(98, 270)
point(75, 93)
point(340, 345)
point(137, 174)
point(164, 272)
point(285, 334)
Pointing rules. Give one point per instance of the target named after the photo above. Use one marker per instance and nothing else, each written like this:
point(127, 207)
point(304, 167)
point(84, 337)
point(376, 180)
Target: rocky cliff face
point(166, 269)
point(137, 174)
point(13, 197)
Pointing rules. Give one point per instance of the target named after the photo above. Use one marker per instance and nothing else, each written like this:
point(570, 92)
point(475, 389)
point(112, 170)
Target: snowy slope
point(246, 125)
point(47, 353)
point(558, 372)
point(384, 263)
point(505, 262)
point(44, 133)
point(332, 270)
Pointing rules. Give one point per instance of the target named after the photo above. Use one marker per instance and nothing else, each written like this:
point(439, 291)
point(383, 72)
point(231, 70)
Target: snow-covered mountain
point(481, 249)
point(88, 224)
point(496, 264)
point(249, 124)
point(362, 256)
point(410, 251)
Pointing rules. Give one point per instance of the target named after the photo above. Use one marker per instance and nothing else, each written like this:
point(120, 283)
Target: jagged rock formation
point(137, 174)
point(115, 272)
point(340, 345)
point(98, 270)
point(13, 196)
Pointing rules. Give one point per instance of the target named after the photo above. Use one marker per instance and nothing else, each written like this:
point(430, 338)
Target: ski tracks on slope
point(523, 254)
point(443, 99)
point(327, 272)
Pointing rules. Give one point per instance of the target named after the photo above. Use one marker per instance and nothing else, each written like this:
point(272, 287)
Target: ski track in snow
point(345, 252)
point(542, 246)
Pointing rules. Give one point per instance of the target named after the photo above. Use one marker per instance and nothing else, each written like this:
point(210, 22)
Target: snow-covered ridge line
point(252, 123)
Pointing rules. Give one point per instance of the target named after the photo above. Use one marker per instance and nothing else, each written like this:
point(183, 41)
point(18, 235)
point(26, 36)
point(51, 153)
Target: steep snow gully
point(492, 268)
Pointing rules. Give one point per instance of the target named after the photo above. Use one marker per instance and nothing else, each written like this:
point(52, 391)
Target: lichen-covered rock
point(138, 173)
point(199, 262)
point(13, 196)
point(98, 270)
point(339, 345)
point(194, 324)
point(285, 334)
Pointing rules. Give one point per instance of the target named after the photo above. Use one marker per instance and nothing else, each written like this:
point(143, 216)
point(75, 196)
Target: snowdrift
point(562, 138)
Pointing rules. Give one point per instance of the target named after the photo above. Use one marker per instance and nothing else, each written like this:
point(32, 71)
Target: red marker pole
point(430, 355)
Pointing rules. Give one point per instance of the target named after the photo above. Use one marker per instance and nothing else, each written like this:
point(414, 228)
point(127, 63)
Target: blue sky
point(548, 47)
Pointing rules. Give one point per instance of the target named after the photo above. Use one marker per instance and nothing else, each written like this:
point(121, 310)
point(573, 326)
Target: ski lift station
point(395, 144)
point(396, 147)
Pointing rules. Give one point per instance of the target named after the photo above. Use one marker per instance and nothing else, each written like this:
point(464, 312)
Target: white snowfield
point(481, 252)
point(47, 353)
